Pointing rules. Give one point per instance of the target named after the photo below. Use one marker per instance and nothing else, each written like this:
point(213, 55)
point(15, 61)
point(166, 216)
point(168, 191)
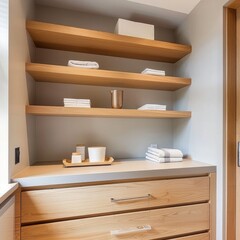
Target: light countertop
point(6, 191)
point(46, 175)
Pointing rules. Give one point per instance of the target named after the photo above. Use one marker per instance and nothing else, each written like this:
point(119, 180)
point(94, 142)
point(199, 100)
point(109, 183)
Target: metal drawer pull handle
point(131, 230)
point(131, 198)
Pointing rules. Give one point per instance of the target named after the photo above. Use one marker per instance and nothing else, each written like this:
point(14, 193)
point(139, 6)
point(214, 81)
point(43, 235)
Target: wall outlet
point(17, 155)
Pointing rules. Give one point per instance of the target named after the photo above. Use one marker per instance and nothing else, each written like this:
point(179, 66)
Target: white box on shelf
point(76, 157)
point(134, 29)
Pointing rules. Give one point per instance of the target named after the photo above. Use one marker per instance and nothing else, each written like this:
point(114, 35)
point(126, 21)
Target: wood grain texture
point(103, 112)
point(212, 206)
point(86, 163)
point(52, 204)
point(238, 125)
point(18, 214)
point(61, 37)
point(97, 77)
point(230, 122)
point(204, 236)
point(167, 222)
point(234, 4)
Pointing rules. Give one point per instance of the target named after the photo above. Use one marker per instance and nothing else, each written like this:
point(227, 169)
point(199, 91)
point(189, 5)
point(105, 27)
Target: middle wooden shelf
point(103, 112)
point(98, 77)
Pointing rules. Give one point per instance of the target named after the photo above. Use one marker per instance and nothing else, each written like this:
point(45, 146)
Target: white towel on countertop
point(166, 152)
point(153, 107)
point(154, 72)
point(162, 160)
point(83, 64)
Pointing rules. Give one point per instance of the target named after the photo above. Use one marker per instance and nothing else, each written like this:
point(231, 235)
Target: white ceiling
point(167, 13)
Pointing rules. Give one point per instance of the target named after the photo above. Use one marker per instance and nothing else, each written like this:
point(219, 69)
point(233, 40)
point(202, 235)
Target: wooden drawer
point(204, 236)
point(165, 223)
point(52, 204)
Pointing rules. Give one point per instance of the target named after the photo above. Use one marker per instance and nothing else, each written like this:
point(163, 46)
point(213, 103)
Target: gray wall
point(202, 137)
point(85, 20)
point(21, 86)
point(125, 138)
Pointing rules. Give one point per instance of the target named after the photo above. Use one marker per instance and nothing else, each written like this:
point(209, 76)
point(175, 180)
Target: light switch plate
point(17, 155)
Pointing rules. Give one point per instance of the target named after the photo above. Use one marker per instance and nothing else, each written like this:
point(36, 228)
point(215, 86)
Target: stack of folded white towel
point(153, 107)
point(153, 72)
point(164, 155)
point(83, 64)
point(82, 103)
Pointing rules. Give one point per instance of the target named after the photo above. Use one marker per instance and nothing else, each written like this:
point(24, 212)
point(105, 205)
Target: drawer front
point(42, 205)
point(164, 223)
point(52, 204)
point(204, 236)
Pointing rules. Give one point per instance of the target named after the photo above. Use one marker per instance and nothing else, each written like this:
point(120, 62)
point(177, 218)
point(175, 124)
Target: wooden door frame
point(231, 219)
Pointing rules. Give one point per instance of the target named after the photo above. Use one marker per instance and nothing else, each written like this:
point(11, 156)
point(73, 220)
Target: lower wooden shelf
point(103, 112)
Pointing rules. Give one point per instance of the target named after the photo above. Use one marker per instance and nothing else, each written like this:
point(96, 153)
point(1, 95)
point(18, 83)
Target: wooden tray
point(86, 163)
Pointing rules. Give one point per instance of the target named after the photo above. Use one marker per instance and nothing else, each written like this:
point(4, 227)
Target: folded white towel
point(153, 107)
point(153, 72)
point(166, 152)
point(77, 103)
point(72, 100)
point(79, 106)
point(163, 160)
point(83, 64)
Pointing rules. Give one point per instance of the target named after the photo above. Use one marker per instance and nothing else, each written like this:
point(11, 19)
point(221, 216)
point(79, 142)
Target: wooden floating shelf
point(103, 112)
point(97, 77)
point(46, 35)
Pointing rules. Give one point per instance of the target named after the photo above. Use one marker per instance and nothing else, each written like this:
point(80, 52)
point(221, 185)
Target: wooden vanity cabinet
point(179, 209)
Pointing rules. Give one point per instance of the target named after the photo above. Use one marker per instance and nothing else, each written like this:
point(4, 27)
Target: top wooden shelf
point(46, 35)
